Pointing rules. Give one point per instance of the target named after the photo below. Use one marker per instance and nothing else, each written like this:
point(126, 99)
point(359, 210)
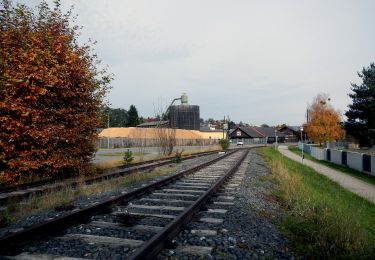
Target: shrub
point(50, 102)
point(128, 157)
point(178, 157)
point(224, 143)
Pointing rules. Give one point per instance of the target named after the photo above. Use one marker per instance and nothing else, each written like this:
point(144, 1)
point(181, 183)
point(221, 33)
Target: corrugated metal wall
point(184, 117)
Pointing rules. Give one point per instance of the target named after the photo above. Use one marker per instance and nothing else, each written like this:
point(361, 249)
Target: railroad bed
point(25, 191)
point(141, 223)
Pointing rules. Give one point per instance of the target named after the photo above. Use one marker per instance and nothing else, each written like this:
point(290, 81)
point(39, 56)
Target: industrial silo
point(184, 116)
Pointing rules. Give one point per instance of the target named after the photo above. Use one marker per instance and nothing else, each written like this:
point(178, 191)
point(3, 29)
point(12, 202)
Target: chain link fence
point(124, 142)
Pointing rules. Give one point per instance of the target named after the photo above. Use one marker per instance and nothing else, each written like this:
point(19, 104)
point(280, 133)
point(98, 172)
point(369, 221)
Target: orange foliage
point(50, 94)
point(324, 124)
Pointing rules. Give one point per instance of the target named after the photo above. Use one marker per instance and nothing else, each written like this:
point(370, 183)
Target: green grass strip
point(322, 219)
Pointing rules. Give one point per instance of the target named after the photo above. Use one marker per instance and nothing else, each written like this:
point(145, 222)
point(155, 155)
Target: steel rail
point(153, 246)
point(119, 168)
point(118, 172)
point(12, 242)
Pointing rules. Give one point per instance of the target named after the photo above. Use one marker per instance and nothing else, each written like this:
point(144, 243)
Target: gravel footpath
point(82, 202)
point(249, 229)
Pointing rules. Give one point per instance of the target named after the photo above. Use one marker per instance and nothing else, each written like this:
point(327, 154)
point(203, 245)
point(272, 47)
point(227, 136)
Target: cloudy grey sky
point(256, 61)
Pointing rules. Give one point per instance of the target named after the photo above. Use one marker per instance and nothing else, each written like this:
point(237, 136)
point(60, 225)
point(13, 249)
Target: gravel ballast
point(246, 228)
point(249, 228)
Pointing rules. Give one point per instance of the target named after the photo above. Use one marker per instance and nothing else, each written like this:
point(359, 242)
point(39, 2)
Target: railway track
point(135, 225)
point(24, 191)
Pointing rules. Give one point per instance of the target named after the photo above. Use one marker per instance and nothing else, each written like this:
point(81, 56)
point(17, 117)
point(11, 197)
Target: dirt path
point(357, 186)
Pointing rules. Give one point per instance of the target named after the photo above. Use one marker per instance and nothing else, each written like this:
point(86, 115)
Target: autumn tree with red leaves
point(324, 124)
point(51, 92)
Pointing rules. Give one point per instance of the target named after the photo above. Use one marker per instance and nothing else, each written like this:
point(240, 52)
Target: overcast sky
point(256, 61)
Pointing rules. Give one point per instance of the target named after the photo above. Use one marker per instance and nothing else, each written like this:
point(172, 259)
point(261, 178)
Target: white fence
point(316, 152)
point(358, 161)
point(355, 161)
point(336, 156)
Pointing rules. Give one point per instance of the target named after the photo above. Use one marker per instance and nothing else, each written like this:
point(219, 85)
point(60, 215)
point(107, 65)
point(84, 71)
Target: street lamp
point(301, 129)
point(275, 139)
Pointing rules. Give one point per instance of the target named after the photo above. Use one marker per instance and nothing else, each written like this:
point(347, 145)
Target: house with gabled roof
point(291, 133)
point(255, 134)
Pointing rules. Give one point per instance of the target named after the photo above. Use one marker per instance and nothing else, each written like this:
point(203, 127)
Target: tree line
point(119, 117)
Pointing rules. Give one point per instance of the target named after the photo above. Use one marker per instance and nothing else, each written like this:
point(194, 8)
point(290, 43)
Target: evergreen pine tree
point(133, 116)
point(361, 114)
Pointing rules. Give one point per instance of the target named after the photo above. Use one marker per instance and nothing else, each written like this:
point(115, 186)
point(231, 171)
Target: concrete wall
point(306, 148)
point(336, 156)
point(372, 165)
point(355, 161)
point(318, 153)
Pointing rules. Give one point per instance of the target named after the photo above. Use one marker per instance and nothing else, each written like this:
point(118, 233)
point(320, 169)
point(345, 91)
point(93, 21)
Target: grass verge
point(122, 154)
point(119, 161)
point(139, 157)
point(52, 199)
point(201, 150)
point(354, 173)
point(322, 219)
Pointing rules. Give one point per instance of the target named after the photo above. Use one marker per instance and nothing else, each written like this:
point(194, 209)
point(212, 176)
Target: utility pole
point(301, 128)
point(307, 115)
point(228, 127)
point(223, 127)
point(108, 128)
point(275, 139)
